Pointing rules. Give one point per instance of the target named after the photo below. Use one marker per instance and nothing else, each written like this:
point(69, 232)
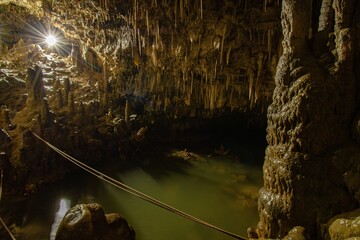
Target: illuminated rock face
point(309, 124)
point(88, 221)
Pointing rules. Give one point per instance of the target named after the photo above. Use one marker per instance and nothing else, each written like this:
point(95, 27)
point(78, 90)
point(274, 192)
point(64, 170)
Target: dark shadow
point(161, 166)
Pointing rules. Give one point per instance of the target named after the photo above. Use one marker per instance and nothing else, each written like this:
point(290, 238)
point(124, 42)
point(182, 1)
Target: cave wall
point(119, 66)
point(311, 153)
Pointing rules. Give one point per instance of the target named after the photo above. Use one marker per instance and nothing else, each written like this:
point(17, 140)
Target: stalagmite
point(71, 104)
point(66, 89)
point(5, 118)
point(45, 112)
point(59, 98)
point(35, 87)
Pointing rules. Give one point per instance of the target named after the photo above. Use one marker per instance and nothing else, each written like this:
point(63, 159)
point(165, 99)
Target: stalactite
point(153, 56)
point(250, 75)
point(127, 111)
point(175, 12)
point(172, 42)
point(147, 23)
point(157, 34)
point(71, 104)
point(228, 55)
point(181, 10)
point(215, 69)
point(227, 83)
point(260, 64)
point(201, 9)
point(222, 45)
point(152, 84)
point(192, 82)
point(269, 45)
point(139, 41)
point(265, 5)
point(135, 13)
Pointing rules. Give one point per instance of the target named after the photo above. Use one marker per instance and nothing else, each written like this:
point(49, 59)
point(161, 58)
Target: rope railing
point(1, 220)
point(7, 229)
point(135, 192)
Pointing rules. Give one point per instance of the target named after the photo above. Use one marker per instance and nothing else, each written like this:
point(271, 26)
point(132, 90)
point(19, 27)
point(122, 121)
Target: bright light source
point(51, 40)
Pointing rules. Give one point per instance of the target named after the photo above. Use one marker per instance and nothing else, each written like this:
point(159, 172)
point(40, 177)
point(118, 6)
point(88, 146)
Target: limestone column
point(306, 124)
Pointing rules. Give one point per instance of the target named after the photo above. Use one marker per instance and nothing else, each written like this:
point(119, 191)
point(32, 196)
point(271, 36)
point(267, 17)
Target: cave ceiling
point(175, 56)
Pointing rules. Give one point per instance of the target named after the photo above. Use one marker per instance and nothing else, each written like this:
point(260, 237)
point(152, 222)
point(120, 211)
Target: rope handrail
point(1, 220)
point(7, 229)
point(133, 191)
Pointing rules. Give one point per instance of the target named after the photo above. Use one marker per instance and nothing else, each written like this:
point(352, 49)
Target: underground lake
point(219, 187)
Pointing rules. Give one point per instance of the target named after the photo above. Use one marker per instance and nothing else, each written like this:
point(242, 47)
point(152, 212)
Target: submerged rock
point(88, 221)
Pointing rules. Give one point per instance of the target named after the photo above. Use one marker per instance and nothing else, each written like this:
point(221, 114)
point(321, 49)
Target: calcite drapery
point(308, 120)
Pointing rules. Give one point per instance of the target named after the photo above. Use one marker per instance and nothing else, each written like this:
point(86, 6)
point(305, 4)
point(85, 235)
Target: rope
point(135, 192)
point(7, 229)
point(1, 182)
point(2, 222)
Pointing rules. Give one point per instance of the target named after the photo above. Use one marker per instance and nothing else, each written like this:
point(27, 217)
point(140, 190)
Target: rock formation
point(88, 221)
point(308, 125)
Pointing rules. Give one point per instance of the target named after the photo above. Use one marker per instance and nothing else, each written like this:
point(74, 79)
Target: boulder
point(89, 222)
point(345, 226)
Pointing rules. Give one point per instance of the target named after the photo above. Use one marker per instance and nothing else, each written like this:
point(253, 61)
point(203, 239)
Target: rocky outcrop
point(309, 122)
point(88, 221)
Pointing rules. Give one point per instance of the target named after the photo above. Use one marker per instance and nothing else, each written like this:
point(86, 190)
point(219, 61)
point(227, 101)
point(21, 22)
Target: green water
point(221, 190)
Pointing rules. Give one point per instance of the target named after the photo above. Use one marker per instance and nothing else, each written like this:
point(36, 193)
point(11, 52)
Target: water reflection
point(64, 206)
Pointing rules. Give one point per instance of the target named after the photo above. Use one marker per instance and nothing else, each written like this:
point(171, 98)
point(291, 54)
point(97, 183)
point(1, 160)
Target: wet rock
point(297, 233)
point(308, 120)
point(35, 87)
point(88, 221)
point(345, 226)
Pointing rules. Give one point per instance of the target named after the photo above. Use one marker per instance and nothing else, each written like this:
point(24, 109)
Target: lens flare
point(51, 40)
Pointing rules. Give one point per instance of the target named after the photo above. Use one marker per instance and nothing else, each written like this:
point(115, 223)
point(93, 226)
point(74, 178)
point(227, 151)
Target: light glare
point(51, 40)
